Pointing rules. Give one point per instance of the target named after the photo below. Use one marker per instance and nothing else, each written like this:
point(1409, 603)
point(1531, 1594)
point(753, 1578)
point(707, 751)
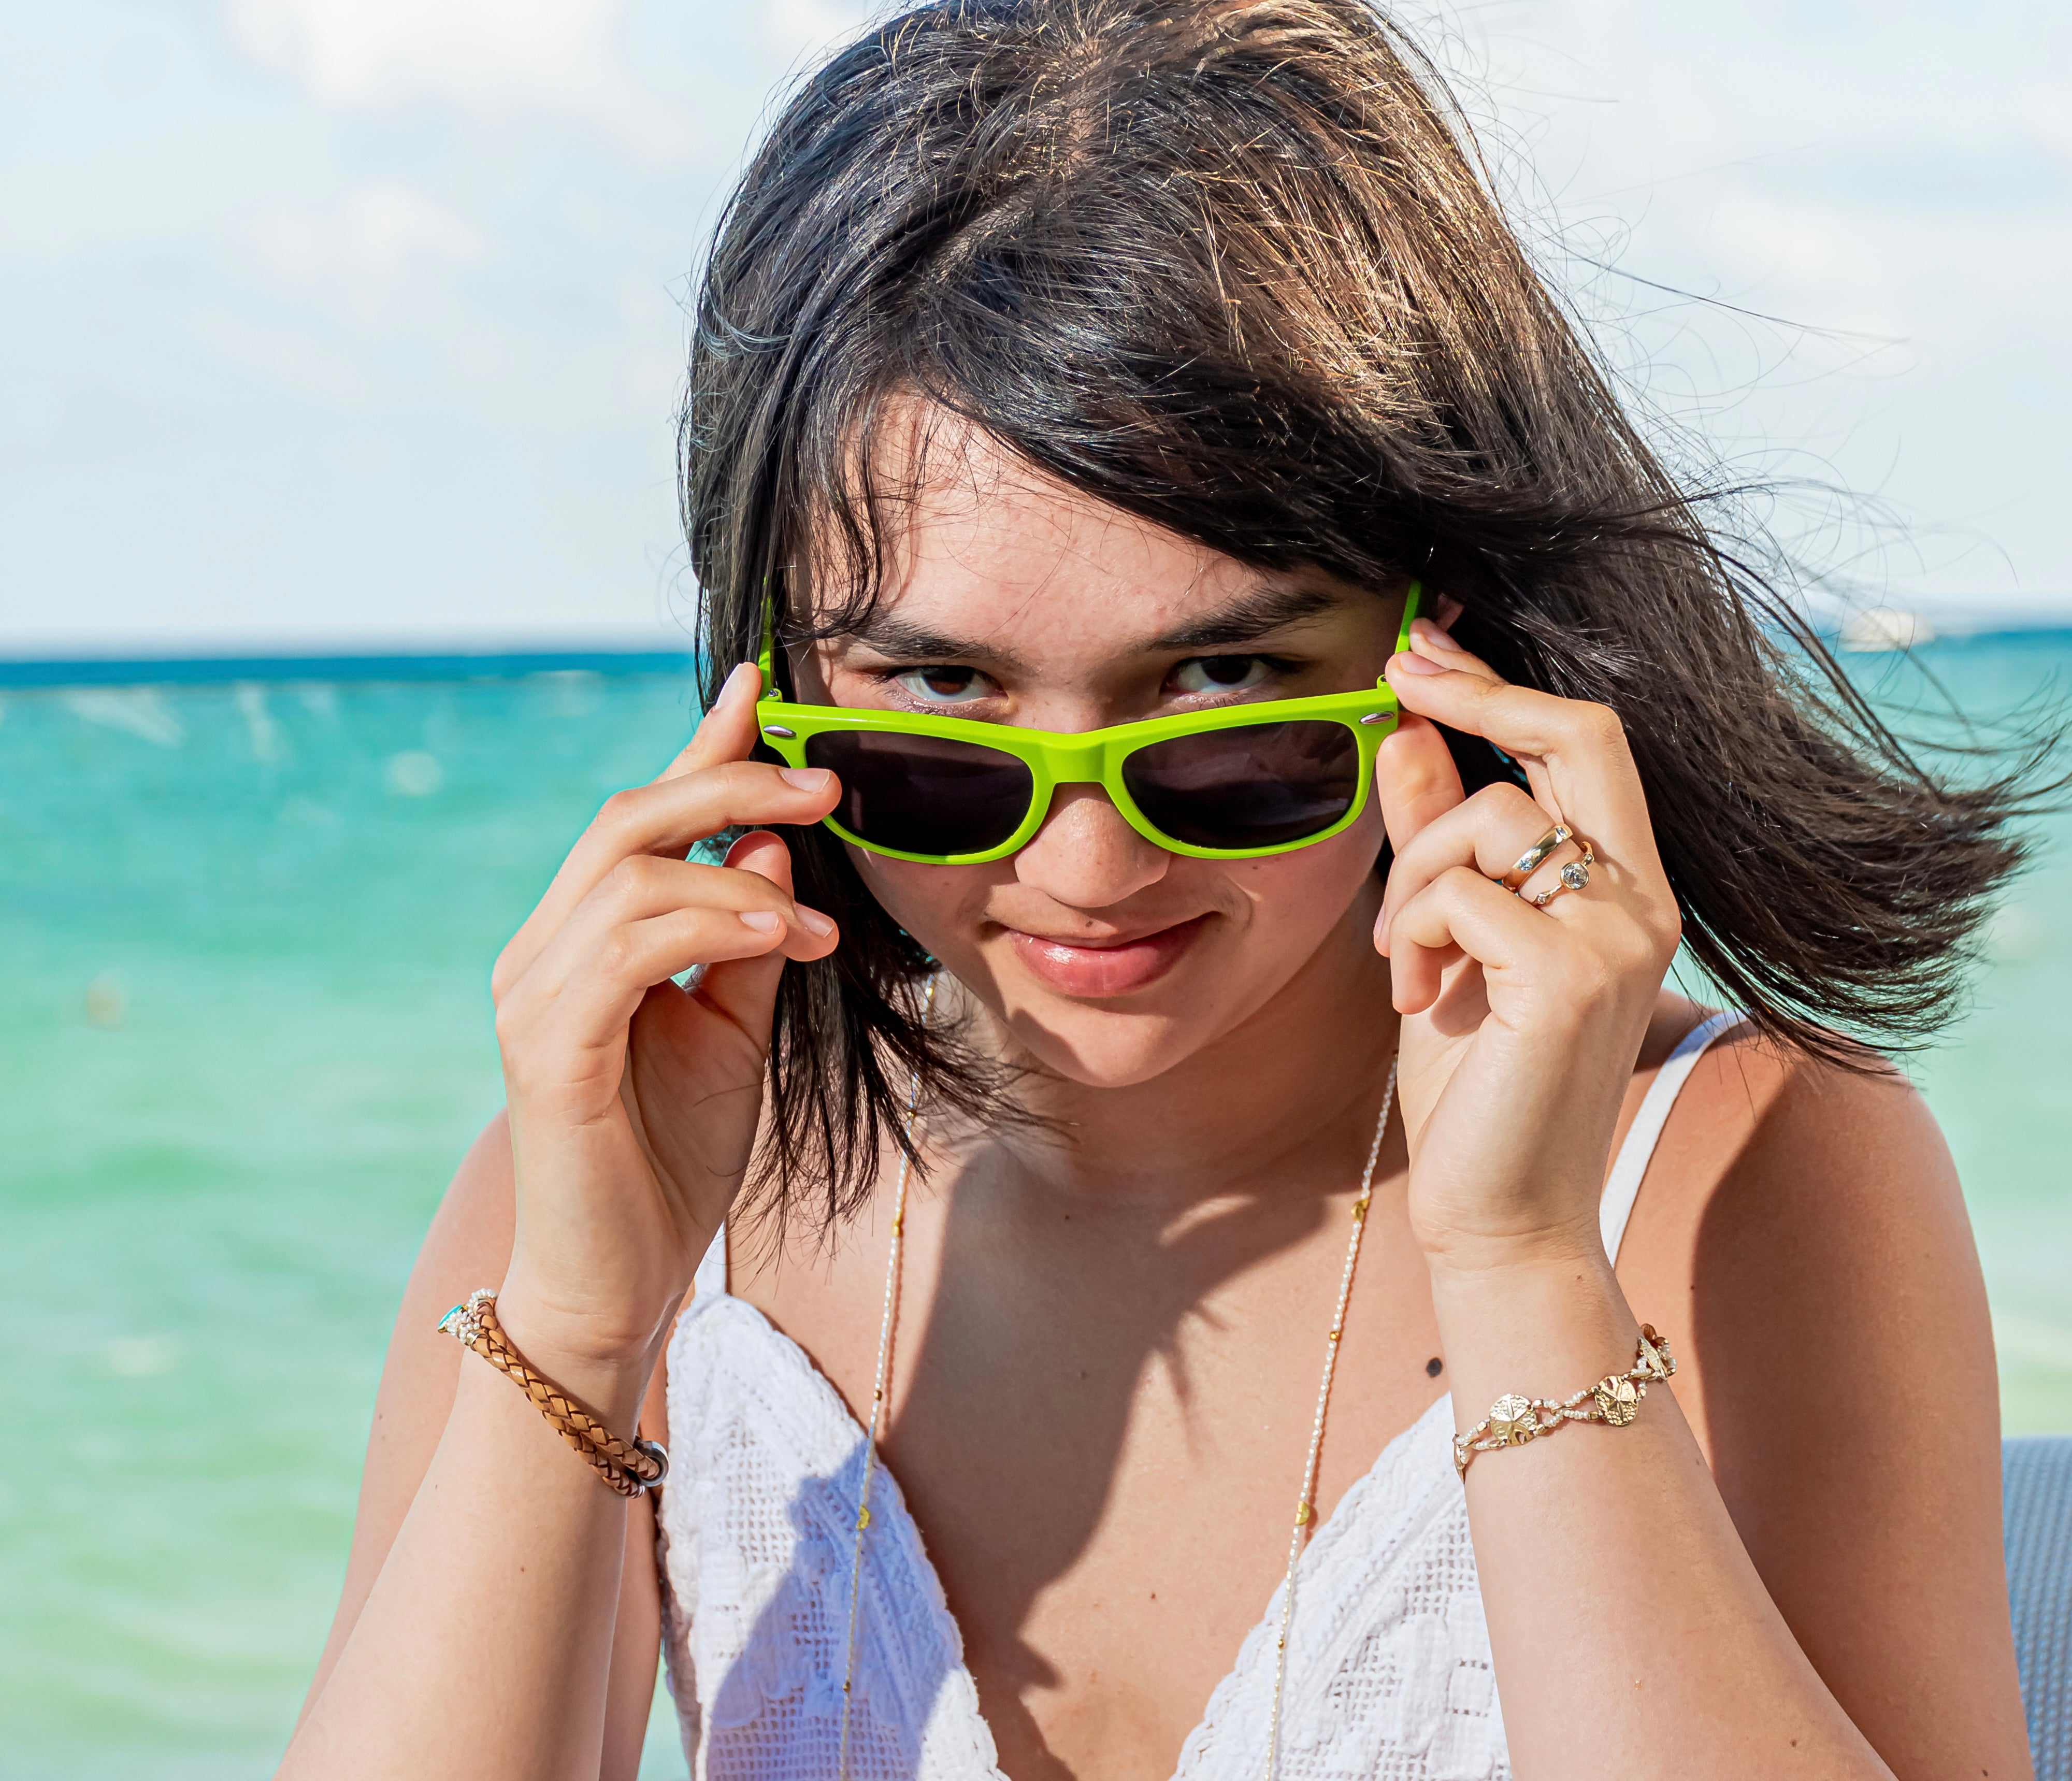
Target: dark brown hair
point(1230, 265)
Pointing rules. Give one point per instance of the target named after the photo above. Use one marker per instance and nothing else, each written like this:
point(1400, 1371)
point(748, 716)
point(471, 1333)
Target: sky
point(361, 323)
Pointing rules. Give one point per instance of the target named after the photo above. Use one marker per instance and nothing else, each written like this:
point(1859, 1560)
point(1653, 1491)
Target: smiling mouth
point(1095, 969)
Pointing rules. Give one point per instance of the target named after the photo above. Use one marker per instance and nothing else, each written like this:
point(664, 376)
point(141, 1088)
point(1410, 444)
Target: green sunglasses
point(1238, 781)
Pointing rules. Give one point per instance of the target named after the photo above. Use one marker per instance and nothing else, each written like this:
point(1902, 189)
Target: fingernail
point(806, 779)
point(730, 689)
point(1407, 663)
point(1434, 635)
point(763, 921)
point(813, 921)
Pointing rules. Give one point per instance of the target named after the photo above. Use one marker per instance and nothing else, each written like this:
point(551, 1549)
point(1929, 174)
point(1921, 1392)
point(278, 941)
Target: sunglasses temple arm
point(1410, 602)
point(766, 660)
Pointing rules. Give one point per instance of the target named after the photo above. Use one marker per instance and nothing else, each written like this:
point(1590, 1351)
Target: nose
point(1085, 856)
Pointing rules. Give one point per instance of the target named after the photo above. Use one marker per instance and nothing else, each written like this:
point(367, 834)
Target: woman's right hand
point(634, 1102)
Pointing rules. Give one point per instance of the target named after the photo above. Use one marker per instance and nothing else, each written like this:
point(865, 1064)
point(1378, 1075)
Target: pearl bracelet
point(1615, 1400)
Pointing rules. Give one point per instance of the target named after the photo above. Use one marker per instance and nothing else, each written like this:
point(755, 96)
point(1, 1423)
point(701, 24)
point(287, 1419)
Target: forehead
point(981, 545)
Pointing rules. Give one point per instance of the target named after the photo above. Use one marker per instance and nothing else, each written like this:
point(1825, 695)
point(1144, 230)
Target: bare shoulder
point(1792, 1200)
point(1801, 1236)
point(1801, 1221)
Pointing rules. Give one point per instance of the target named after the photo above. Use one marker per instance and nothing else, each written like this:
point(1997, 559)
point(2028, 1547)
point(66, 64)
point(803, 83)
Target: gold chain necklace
point(1305, 1506)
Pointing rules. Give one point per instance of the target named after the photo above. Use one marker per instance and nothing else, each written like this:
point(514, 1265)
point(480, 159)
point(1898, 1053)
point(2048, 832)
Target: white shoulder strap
point(710, 1281)
point(1630, 1168)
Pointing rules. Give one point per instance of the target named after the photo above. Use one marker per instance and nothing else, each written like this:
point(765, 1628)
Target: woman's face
point(1017, 600)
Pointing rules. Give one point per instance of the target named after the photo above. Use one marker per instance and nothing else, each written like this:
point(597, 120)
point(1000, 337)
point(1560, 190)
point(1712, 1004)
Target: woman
point(1054, 1107)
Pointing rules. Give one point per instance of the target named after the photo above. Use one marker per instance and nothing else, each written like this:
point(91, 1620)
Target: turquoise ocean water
point(246, 933)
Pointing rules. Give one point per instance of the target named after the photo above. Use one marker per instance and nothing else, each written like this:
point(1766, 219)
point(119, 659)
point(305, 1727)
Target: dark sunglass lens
point(924, 793)
point(1260, 785)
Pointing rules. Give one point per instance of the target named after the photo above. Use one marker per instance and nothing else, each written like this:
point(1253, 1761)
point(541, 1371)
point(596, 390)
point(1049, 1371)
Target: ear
point(1447, 610)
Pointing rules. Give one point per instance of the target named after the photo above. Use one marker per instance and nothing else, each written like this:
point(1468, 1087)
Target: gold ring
point(1574, 876)
point(1529, 861)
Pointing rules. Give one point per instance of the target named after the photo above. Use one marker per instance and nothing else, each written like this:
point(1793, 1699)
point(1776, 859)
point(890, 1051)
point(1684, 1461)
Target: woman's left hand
point(1521, 1025)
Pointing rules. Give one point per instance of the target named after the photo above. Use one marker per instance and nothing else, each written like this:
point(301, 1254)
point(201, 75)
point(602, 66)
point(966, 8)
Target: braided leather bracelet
point(631, 1468)
point(1615, 1400)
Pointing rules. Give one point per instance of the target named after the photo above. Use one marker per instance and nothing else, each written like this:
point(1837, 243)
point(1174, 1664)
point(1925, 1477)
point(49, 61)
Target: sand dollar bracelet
point(1615, 1400)
point(630, 1468)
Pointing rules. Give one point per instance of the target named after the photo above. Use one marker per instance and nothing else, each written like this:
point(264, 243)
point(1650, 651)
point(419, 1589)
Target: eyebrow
point(890, 635)
point(1253, 615)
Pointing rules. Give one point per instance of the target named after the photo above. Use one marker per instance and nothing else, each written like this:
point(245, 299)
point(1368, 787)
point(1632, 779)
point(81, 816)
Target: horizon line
point(448, 660)
point(333, 664)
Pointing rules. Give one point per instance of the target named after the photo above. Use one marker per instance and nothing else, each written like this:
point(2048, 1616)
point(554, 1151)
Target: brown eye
point(942, 683)
point(1223, 674)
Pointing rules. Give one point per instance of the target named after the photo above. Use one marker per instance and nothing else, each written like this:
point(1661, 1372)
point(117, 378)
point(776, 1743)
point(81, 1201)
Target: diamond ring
point(1574, 876)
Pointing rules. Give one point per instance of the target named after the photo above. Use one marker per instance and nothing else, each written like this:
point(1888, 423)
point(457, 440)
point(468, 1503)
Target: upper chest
point(1105, 1473)
point(1101, 1427)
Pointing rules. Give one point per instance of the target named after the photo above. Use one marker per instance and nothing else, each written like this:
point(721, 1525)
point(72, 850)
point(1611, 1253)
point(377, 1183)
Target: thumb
point(744, 990)
point(1415, 777)
point(760, 851)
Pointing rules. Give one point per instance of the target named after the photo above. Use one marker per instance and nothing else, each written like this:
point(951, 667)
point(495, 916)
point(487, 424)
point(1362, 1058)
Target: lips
point(1097, 968)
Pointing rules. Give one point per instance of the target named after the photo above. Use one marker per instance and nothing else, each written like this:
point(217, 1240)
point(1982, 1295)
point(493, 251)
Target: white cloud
point(365, 253)
point(386, 343)
point(494, 59)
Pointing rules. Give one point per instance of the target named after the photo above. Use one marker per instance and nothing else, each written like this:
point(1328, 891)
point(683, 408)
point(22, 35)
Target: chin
point(1100, 1048)
point(1119, 1041)
point(1169, 982)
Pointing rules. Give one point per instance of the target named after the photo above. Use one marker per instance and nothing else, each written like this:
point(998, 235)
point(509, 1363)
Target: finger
point(645, 885)
point(1415, 778)
point(643, 954)
point(1589, 769)
point(760, 851)
point(1460, 912)
point(745, 990)
point(665, 818)
point(725, 733)
point(669, 815)
point(727, 730)
point(644, 888)
point(584, 1002)
point(1488, 833)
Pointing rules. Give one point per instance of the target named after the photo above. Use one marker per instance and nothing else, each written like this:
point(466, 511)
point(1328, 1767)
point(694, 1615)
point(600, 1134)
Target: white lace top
point(1388, 1674)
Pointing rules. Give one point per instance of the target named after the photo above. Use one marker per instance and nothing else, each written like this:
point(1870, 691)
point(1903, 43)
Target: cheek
point(938, 905)
point(1313, 886)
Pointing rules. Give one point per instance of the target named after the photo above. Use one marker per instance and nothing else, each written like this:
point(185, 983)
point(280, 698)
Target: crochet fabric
point(1389, 1676)
point(1389, 1664)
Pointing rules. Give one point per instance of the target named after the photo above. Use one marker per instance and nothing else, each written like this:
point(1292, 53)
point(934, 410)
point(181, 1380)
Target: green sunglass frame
point(1087, 757)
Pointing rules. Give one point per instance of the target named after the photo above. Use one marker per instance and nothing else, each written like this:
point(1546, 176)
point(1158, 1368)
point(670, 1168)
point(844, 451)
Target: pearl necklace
point(1304, 1504)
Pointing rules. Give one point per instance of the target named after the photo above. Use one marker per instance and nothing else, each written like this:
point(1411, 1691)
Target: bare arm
point(1819, 1274)
point(1843, 1390)
point(1646, 1619)
point(492, 1570)
point(469, 1244)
